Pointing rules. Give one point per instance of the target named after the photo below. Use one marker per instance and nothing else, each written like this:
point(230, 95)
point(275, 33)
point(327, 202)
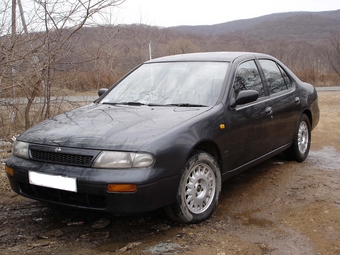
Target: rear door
point(285, 98)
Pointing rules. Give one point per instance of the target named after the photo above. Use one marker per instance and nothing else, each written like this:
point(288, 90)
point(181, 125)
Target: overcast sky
point(167, 13)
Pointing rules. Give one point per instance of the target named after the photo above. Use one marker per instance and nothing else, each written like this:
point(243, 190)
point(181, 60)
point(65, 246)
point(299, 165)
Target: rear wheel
point(198, 191)
point(302, 140)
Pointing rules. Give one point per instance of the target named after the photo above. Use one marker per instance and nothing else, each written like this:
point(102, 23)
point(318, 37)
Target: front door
point(250, 125)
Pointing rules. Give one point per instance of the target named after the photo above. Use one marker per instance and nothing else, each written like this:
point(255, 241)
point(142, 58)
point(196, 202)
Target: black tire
point(198, 191)
point(302, 140)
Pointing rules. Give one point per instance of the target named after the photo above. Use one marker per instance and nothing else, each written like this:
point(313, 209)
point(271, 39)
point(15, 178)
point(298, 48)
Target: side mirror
point(101, 91)
point(245, 97)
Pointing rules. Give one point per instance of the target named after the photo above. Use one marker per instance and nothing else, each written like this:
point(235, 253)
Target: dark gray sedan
point(167, 135)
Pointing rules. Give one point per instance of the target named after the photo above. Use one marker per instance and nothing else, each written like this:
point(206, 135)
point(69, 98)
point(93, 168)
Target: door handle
point(297, 100)
point(269, 110)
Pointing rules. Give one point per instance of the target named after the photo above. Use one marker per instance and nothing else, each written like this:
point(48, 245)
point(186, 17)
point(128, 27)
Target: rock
point(41, 236)
point(52, 234)
point(166, 248)
point(4, 232)
point(101, 223)
point(39, 243)
point(77, 223)
point(129, 246)
point(95, 235)
point(161, 227)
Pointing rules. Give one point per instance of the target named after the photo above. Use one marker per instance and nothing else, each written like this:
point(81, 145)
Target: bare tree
point(333, 53)
point(40, 47)
point(181, 46)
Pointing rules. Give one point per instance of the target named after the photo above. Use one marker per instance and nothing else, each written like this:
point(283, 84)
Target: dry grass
point(4, 154)
point(4, 183)
point(318, 78)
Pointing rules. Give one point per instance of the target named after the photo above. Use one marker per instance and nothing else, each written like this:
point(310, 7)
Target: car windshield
point(171, 83)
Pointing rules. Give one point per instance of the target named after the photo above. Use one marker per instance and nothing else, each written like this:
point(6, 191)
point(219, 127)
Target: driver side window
point(248, 78)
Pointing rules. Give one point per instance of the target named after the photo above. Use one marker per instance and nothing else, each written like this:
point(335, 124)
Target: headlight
point(20, 149)
point(116, 159)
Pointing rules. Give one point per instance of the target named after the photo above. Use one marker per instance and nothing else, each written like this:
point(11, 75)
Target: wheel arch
point(211, 148)
point(308, 113)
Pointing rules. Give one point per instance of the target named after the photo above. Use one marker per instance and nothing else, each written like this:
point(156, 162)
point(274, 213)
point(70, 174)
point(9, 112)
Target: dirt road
point(278, 207)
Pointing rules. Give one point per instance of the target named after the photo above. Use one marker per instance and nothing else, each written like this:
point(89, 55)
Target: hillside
point(292, 25)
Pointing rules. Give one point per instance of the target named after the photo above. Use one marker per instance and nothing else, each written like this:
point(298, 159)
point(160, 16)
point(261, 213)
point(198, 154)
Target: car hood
point(99, 126)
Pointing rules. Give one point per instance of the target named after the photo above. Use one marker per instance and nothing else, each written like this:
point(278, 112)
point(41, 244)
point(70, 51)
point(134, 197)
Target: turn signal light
point(9, 170)
point(121, 187)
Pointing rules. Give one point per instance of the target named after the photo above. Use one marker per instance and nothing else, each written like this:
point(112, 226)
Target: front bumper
point(153, 190)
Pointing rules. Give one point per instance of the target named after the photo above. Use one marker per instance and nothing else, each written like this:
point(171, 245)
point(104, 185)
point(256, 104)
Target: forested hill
point(294, 25)
point(305, 41)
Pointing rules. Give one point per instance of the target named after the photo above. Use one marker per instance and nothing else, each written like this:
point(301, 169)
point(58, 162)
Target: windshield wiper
point(188, 105)
point(152, 104)
point(126, 103)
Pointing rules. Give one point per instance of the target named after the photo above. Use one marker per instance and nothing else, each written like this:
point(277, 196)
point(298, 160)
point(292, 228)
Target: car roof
point(207, 56)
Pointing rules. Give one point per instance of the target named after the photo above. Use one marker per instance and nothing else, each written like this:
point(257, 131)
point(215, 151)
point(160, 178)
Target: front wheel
point(198, 191)
point(302, 140)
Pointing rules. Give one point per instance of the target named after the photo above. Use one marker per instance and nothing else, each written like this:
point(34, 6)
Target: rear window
point(276, 78)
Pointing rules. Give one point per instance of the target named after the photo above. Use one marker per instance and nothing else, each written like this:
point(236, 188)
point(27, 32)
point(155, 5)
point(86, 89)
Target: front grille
point(62, 155)
point(61, 158)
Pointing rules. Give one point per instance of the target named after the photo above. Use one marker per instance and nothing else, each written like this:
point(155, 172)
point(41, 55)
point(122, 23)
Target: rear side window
point(248, 78)
point(277, 79)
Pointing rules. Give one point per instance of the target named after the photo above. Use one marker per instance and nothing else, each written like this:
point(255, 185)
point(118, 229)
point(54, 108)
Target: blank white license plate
point(53, 181)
